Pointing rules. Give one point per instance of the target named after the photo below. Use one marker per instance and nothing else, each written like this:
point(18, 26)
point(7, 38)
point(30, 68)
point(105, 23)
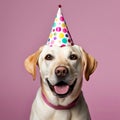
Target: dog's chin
point(61, 89)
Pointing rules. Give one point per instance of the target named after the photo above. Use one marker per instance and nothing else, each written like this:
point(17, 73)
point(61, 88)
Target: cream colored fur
point(84, 65)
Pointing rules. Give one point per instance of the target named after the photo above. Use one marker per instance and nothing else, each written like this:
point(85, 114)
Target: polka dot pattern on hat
point(59, 35)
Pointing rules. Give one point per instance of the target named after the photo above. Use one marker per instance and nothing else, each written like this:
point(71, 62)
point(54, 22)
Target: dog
point(62, 70)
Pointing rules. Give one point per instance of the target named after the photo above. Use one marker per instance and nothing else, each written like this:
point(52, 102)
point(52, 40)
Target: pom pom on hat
point(59, 6)
point(59, 35)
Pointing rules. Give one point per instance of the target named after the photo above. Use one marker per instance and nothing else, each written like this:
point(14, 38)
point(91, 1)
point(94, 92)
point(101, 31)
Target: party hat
point(60, 35)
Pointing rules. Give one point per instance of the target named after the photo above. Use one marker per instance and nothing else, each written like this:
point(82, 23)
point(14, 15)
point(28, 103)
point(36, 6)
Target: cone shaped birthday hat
point(60, 35)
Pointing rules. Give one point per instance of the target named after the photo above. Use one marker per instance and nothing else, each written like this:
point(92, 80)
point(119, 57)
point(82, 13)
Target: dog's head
point(61, 68)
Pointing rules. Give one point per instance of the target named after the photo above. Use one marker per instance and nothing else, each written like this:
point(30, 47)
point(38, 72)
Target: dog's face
point(61, 68)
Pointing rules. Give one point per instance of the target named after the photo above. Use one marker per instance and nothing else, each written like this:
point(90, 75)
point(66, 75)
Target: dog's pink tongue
point(61, 89)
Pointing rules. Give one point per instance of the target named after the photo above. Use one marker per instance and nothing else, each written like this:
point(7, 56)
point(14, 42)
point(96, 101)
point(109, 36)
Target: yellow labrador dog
point(61, 69)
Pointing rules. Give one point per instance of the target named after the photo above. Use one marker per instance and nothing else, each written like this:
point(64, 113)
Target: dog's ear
point(31, 62)
point(90, 64)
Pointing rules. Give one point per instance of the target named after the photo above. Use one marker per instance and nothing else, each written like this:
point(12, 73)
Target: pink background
point(25, 26)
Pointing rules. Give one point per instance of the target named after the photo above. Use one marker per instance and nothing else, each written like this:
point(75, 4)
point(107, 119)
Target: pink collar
point(60, 107)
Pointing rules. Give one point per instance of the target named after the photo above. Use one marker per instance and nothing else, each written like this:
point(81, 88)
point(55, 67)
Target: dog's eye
point(73, 57)
point(49, 57)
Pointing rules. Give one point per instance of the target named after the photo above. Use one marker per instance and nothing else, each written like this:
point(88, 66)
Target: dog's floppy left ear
point(90, 64)
point(31, 62)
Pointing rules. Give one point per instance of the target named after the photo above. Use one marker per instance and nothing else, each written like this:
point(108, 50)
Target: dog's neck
point(60, 107)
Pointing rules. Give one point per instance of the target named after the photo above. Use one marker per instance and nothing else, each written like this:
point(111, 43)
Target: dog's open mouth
point(61, 89)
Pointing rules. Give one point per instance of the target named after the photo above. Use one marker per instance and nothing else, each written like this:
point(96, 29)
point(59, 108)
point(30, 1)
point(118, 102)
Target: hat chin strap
point(60, 107)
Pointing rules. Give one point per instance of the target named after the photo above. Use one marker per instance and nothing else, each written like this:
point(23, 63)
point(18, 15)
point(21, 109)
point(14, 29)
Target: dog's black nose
point(61, 71)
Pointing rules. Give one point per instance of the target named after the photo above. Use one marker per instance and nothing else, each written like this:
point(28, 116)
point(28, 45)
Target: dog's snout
point(61, 71)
